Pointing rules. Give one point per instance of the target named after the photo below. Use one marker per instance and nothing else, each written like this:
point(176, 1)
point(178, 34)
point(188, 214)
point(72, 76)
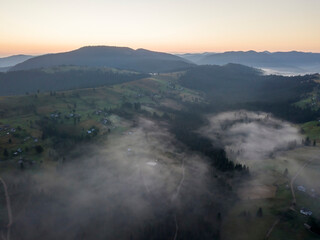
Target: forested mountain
point(237, 86)
point(62, 78)
point(140, 60)
point(233, 82)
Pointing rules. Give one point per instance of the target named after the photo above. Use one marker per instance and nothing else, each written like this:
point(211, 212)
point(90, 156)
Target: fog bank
point(251, 136)
point(139, 185)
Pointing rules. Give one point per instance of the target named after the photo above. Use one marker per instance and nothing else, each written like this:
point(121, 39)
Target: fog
point(293, 71)
point(139, 185)
point(144, 184)
point(251, 136)
point(290, 71)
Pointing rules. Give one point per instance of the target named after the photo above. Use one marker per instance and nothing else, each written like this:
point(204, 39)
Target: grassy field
point(70, 115)
point(40, 128)
point(242, 221)
point(311, 100)
point(312, 130)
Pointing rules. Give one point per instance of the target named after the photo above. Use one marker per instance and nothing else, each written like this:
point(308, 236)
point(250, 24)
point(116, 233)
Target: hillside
point(4, 69)
point(235, 82)
point(234, 86)
point(62, 78)
point(140, 60)
point(295, 62)
point(145, 134)
point(6, 62)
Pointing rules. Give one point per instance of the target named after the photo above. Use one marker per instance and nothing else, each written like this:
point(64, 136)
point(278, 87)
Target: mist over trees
point(145, 160)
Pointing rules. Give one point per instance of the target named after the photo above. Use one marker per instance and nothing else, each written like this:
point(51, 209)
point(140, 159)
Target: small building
point(151, 163)
point(306, 212)
point(301, 188)
point(26, 139)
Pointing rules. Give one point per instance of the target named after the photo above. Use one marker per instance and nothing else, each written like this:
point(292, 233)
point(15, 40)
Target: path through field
point(294, 201)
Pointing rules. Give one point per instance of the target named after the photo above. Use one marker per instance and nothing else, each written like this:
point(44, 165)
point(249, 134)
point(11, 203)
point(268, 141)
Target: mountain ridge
point(141, 60)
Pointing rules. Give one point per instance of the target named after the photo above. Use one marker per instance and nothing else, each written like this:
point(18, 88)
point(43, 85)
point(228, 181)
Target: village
point(79, 115)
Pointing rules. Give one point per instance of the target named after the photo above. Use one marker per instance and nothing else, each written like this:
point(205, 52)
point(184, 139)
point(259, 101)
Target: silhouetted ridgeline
point(140, 60)
point(64, 78)
point(292, 61)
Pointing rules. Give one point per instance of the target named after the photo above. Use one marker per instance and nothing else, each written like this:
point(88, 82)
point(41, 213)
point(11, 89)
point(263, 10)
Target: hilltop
point(140, 60)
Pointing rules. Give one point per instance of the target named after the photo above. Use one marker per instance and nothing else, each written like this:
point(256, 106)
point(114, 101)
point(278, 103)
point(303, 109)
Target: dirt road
point(294, 201)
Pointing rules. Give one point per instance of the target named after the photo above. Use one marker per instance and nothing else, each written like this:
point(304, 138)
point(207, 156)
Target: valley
point(158, 150)
point(159, 120)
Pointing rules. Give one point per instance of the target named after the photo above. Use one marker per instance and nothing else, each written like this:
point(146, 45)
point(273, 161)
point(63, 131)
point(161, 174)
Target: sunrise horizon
point(40, 27)
point(171, 120)
point(170, 51)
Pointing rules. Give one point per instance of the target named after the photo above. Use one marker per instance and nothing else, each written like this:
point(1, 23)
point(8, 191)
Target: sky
point(176, 26)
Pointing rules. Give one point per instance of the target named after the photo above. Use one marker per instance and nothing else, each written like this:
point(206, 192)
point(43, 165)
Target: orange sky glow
point(44, 26)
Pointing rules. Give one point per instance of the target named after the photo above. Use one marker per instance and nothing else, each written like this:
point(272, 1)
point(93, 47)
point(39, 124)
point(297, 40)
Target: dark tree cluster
point(36, 81)
point(235, 86)
point(183, 127)
point(314, 224)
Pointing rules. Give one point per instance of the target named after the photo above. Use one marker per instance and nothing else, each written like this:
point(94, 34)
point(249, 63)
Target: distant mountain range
point(282, 62)
point(8, 62)
point(140, 60)
point(194, 57)
point(145, 61)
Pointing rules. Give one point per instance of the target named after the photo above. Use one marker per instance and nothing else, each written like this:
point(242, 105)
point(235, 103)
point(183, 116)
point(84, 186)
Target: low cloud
point(251, 136)
point(138, 185)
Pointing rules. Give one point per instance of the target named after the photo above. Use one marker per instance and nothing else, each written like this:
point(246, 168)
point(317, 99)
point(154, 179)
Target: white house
point(306, 212)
